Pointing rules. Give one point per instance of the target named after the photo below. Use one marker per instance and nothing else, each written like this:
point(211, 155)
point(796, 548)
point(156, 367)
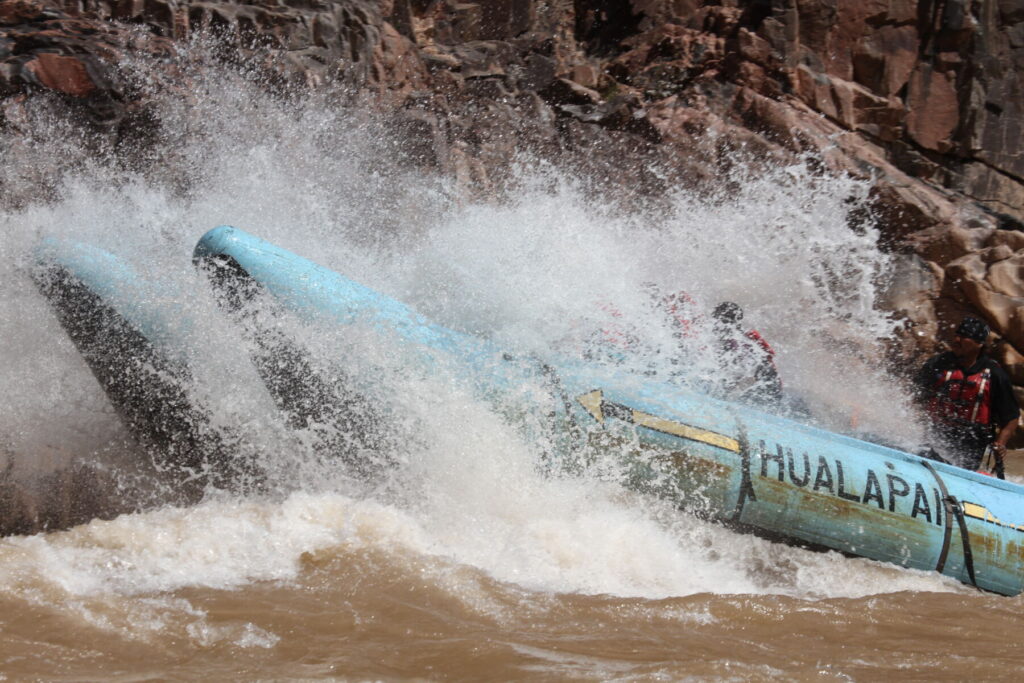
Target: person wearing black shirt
point(969, 398)
point(747, 361)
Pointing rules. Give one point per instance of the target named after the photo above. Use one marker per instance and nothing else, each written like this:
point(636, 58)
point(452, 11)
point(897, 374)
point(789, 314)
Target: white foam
point(549, 536)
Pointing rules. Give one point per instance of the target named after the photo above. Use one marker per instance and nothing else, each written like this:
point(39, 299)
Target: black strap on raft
point(558, 389)
point(940, 565)
point(968, 555)
point(953, 508)
point(554, 385)
point(746, 485)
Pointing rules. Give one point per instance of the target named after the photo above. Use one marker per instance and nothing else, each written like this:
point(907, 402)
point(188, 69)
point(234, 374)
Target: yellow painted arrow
point(598, 408)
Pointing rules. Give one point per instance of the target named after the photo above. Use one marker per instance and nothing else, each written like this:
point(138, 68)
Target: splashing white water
point(528, 271)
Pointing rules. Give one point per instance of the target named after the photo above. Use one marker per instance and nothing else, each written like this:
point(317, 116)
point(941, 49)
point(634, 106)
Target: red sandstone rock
point(1012, 360)
point(1011, 238)
point(945, 244)
point(934, 109)
point(14, 12)
point(63, 74)
point(398, 68)
point(886, 58)
point(564, 91)
point(1006, 276)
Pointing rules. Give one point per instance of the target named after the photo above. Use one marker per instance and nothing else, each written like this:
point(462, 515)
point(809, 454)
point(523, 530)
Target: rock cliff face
point(924, 96)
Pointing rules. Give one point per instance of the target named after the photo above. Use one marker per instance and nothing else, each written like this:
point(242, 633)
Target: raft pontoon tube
point(135, 338)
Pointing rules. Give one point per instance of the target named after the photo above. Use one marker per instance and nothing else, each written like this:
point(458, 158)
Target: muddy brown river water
point(324, 586)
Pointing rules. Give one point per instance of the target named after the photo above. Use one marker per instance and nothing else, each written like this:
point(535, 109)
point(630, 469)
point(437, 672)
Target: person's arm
point(1006, 411)
point(1005, 432)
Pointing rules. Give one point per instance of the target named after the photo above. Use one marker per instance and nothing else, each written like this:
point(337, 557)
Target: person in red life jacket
point(969, 398)
point(746, 359)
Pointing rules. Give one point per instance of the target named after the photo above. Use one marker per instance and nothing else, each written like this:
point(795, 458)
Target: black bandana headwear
point(972, 328)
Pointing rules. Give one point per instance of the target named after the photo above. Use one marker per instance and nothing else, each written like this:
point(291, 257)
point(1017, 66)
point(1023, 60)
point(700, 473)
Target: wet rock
point(1012, 360)
point(564, 91)
point(945, 245)
point(896, 73)
point(885, 59)
point(539, 72)
point(67, 75)
point(15, 12)
point(934, 108)
point(999, 193)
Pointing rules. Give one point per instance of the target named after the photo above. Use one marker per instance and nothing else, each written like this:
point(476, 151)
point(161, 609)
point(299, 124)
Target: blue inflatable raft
point(751, 470)
point(135, 336)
